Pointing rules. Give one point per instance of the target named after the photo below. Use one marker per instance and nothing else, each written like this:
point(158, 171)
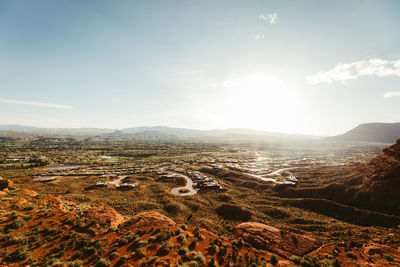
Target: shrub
point(102, 263)
point(123, 242)
point(18, 255)
point(113, 255)
point(164, 249)
point(295, 259)
point(351, 255)
point(310, 261)
point(89, 251)
point(199, 258)
point(75, 264)
point(183, 251)
point(140, 253)
point(388, 257)
point(163, 236)
point(273, 259)
point(181, 239)
point(192, 245)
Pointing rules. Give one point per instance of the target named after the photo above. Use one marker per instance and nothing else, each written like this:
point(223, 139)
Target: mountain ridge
point(371, 132)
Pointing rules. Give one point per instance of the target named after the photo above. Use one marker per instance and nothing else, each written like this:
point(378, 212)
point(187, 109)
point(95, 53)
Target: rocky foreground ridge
point(45, 230)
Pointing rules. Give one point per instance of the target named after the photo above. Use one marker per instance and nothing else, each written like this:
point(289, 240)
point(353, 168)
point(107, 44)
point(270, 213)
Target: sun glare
point(261, 102)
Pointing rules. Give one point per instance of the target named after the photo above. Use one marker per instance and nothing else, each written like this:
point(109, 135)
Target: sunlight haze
point(310, 67)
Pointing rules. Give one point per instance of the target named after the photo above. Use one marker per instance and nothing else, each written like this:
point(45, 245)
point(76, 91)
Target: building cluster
point(201, 181)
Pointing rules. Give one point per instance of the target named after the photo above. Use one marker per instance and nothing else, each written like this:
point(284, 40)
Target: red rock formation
point(383, 172)
point(150, 218)
point(274, 240)
point(27, 192)
point(105, 215)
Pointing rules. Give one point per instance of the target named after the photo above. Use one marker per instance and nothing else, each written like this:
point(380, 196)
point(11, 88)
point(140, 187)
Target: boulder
point(272, 239)
point(105, 215)
point(150, 218)
point(28, 193)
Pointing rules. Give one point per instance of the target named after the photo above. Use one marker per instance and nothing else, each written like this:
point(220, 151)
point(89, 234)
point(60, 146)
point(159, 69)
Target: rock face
point(105, 215)
point(274, 240)
point(150, 218)
point(381, 181)
point(384, 170)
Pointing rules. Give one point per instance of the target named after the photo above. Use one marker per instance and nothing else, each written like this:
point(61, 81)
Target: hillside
point(45, 230)
point(371, 132)
point(372, 186)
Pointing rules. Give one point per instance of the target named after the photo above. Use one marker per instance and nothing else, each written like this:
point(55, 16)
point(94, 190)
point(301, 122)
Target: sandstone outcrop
point(28, 193)
point(269, 238)
point(150, 218)
point(105, 215)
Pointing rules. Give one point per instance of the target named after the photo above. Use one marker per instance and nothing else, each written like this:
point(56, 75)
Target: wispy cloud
point(38, 104)
point(349, 71)
point(270, 17)
point(258, 36)
point(391, 94)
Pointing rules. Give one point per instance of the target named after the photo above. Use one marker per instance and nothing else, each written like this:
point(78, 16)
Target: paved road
point(188, 186)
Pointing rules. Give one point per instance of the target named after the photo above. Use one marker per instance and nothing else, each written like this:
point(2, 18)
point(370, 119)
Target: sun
point(260, 102)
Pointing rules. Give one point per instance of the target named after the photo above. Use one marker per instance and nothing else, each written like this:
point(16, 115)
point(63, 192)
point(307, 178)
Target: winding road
point(188, 186)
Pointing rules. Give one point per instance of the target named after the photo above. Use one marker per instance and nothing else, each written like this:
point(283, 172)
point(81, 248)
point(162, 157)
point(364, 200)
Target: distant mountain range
point(367, 132)
point(371, 132)
point(160, 133)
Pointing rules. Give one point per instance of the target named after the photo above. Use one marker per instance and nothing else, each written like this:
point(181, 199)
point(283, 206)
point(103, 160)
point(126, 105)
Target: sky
point(310, 67)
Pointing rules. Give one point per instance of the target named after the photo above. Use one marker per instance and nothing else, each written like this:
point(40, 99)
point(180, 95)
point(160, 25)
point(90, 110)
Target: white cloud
point(270, 17)
point(349, 71)
point(391, 94)
point(258, 36)
point(38, 104)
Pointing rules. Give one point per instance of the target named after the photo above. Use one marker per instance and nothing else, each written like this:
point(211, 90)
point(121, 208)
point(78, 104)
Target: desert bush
point(183, 251)
point(295, 259)
point(351, 255)
point(122, 260)
point(192, 245)
point(164, 249)
point(18, 255)
point(113, 255)
point(123, 242)
point(14, 225)
point(273, 259)
point(140, 253)
point(29, 208)
point(310, 261)
point(74, 264)
point(89, 251)
point(102, 263)
point(213, 249)
point(163, 236)
point(181, 239)
point(388, 257)
point(233, 212)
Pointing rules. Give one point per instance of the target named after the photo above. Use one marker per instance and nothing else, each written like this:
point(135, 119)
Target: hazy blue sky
point(318, 67)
